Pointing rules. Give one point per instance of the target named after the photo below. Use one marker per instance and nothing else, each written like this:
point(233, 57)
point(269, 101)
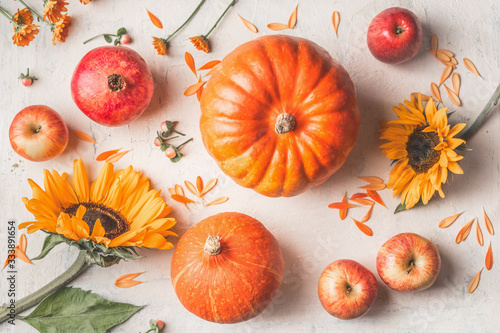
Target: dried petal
point(156, 21)
point(335, 21)
point(210, 185)
point(199, 91)
point(127, 280)
point(21, 255)
point(373, 187)
point(479, 234)
point(474, 282)
point(179, 190)
point(368, 215)
point(489, 225)
point(248, 25)
point(191, 90)
point(435, 92)
point(343, 211)
point(364, 228)
point(190, 62)
point(209, 65)
point(446, 222)
point(425, 98)
point(488, 262)
point(340, 205)
point(372, 180)
point(199, 184)
point(116, 157)
point(470, 66)
point(453, 96)
point(434, 44)
point(359, 195)
point(293, 18)
point(23, 242)
point(213, 70)
point(366, 202)
point(455, 79)
point(10, 256)
point(277, 26)
point(84, 136)
point(464, 232)
point(105, 155)
point(217, 201)
point(446, 73)
point(442, 56)
point(445, 52)
point(376, 197)
point(181, 198)
point(191, 188)
point(171, 190)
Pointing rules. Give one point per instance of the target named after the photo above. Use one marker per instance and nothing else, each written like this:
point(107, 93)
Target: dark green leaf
point(400, 208)
point(117, 41)
point(77, 310)
point(121, 31)
point(464, 147)
point(107, 38)
point(177, 157)
point(49, 243)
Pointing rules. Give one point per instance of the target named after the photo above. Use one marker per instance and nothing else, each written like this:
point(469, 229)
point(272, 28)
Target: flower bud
point(163, 126)
point(157, 142)
point(125, 39)
point(170, 152)
point(160, 324)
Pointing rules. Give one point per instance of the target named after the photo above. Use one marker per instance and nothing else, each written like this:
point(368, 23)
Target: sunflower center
point(114, 223)
point(420, 147)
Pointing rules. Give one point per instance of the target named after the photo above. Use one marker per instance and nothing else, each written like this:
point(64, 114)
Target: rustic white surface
point(310, 234)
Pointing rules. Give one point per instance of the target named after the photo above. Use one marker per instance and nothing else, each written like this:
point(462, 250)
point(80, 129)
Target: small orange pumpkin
point(279, 115)
point(227, 268)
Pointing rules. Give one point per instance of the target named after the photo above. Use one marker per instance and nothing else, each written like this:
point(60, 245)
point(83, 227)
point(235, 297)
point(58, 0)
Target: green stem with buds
point(220, 18)
point(79, 266)
point(182, 144)
point(185, 22)
point(88, 40)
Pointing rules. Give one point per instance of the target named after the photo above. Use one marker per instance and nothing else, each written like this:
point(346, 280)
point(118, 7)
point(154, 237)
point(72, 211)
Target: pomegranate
point(112, 85)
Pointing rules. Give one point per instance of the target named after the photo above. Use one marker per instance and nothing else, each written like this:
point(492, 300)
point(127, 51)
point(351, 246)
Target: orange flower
point(53, 10)
point(22, 17)
point(201, 43)
point(60, 29)
point(25, 34)
point(160, 45)
point(85, 2)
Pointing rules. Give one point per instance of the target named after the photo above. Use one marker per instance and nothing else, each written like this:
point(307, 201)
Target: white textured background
point(310, 234)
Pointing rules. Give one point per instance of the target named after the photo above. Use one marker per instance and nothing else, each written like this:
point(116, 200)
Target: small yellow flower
point(201, 43)
point(60, 29)
point(22, 17)
point(53, 10)
point(25, 34)
point(160, 45)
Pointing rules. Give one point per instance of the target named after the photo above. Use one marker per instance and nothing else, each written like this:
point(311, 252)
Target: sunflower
point(201, 43)
point(60, 29)
point(160, 45)
point(116, 211)
point(24, 34)
point(53, 9)
point(423, 147)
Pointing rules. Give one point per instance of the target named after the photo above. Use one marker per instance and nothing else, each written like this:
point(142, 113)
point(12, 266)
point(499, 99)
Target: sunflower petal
point(100, 185)
point(80, 181)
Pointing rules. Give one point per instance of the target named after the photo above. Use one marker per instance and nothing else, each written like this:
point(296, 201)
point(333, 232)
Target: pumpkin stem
point(212, 245)
point(285, 122)
point(116, 83)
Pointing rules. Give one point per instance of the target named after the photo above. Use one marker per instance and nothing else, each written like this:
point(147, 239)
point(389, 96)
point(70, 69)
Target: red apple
point(347, 289)
point(408, 262)
point(394, 35)
point(38, 133)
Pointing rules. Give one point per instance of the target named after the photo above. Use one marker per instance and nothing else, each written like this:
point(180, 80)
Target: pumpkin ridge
point(274, 74)
point(302, 145)
point(276, 161)
point(294, 168)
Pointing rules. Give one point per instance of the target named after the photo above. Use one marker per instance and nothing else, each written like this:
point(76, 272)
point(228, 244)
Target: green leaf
point(121, 31)
point(49, 243)
point(117, 41)
point(400, 208)
point(107, 38)
point(77, 310)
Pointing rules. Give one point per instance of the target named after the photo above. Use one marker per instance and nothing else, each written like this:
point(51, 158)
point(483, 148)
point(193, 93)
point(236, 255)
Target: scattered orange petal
point(366, 202)
point(191, 188)
point(488, 262)
point(179, 190)
point(292, 21)
point(446, 222)
point(84, 136)
point(105, 155)
point(127, 280)
point(23, 242)
point(368, 215)
point(464, 232)
point(191, 90)
point(474, 282)
point(340, 205)
point(470, 66)
point(364, 228)
point(335, 22)
point(181, 198)
point(442, 56)
point(425, 98)
point(156, 21)
point(435, 92)
point(446, 74)
point(376, 197)
point(448, 53)
point(343, 211)
point(190, 62)
point(455, 79)
point(209, 65)
point(277, 26)
point(479, 234)
point(199, 91)
point(199, 184)
point(217, 201)
point(21, 255)
point(248, 25)
point(171, 190)
point(434, 44)
point(116, 157)
point(453, 96)
point(210, 185)
point(11, 256)
point(373, 187)
point(359, 195)
point(372, 180)
point(487, 222)
point(213, 70)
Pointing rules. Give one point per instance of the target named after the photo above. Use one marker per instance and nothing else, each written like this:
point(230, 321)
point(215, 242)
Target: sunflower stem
point(185, 22)
point(220, 18)
point(482, 116)
point(79, 266)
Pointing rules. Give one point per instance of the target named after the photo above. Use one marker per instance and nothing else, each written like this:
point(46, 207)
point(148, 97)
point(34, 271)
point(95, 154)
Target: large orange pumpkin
point(279, 115)
point(227, 268)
